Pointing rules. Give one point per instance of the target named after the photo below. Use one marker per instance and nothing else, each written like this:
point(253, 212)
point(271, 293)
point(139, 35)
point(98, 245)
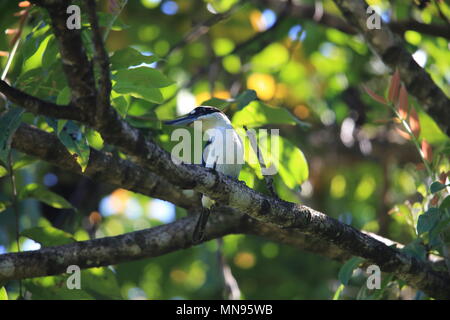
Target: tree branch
point(111, 250)
point(391, 50)
point(102, 167)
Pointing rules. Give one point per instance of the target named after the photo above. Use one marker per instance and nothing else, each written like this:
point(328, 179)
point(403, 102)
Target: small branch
point(231, 289)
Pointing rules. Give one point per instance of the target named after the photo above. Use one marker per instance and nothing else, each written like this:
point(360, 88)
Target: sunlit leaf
point(142, 77)
point(141, 82)
point(48, 236)
point(50, 53)
point(258, 114)
point(338, 292)
point(23, 162)
point(3, 171)
point(4, 205)
point(281, 158)
point(129, 57)
point(3, 294)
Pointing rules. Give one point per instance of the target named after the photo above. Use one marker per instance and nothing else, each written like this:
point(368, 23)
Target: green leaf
point(110, 20)
point(101, 282)
point(428, 220)
point(3, 171)
point(150, 94)
point(121, 105)
point(241, 100)
point(142, 77)
point(338, 292)
point(3, 294)
point(286, 159)
point(129, 57)
point(416, 249)
point(4, 205)
point(54, 288)
point(9, 122)
point(63, 97)
point(258, 114)
point(73, 139)
point(245, 98)
point(217, 103)
point(48, 236)
point(429, 130)
point(50, 53)
point(41, 193)
point(445, 204)
point(436, 187)
point(346, 271)
point(34, 40)
point(23, 162)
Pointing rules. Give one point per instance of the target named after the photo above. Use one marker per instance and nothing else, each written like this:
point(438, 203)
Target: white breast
point(225, 151)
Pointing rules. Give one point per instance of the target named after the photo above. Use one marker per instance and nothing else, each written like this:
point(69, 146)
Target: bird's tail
point(199, 231)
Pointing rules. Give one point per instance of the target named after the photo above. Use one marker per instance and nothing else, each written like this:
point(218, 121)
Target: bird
point(222, 152)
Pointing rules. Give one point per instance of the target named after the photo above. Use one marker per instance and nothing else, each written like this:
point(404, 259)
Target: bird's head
point(209, 116)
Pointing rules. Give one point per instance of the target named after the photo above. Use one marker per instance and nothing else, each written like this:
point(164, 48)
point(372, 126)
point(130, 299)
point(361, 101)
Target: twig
point(231, 289)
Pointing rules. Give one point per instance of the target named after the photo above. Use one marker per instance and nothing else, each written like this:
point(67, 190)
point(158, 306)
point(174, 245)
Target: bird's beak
point(181, 121)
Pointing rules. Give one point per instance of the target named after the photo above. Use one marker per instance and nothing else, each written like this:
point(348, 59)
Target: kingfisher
point(222, 152)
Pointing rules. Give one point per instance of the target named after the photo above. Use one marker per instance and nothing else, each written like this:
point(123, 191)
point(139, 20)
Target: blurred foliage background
point(341, 151)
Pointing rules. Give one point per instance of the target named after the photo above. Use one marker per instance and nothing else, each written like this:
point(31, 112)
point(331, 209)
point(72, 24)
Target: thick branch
point(111, 250)
point(102, 167)
point(392, 51)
